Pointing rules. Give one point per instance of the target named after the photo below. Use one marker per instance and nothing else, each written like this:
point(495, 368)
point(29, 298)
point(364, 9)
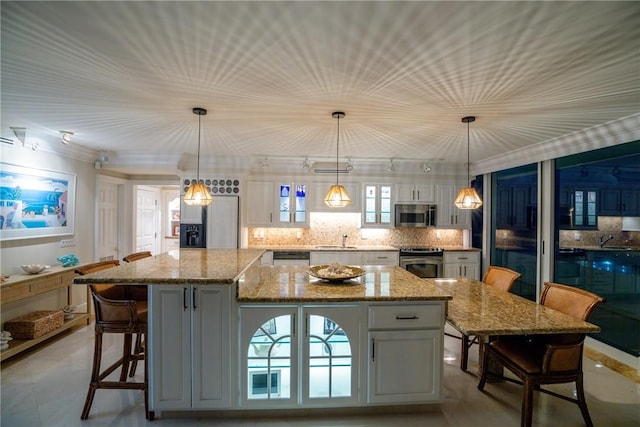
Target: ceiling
point(124, 77)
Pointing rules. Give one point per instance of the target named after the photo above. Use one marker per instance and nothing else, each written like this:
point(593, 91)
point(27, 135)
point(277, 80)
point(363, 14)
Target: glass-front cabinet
point(377, 206)
point(292, 204)
point(284, 348)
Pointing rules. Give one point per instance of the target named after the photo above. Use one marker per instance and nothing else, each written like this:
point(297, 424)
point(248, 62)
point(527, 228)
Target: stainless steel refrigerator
point(222, 219)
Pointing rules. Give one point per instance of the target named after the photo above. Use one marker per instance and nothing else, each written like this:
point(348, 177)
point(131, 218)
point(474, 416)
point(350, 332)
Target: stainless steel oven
point(424, 262)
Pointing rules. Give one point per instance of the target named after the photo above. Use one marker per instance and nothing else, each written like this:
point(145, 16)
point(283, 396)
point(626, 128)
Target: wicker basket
point(35, 324)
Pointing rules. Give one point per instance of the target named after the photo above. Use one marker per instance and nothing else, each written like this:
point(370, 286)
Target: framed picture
point(176, 230)
point(35, 202)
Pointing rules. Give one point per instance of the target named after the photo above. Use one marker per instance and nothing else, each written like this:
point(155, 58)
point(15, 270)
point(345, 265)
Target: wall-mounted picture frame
point(35, 202)
point(176, 230)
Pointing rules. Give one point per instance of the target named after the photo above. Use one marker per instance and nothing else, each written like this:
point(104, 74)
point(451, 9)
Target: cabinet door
point(377, 206)
point(630, 202)
point(260, 203)
point(379, 258)
point(291, 203)
point(418, 353)
point(211, 350)
point(609, 203)
point(450, 216)
point(330, 354)
point(170, 339)
point(268, 356)
point(405, 193)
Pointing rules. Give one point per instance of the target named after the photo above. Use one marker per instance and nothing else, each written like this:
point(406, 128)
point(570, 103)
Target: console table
point(20, 287)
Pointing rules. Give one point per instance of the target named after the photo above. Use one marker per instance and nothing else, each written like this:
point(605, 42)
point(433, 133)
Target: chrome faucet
point(344, 240)
point(604, 239)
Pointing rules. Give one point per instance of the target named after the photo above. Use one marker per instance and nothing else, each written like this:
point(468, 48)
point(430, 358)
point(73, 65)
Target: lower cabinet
point(190, 351)
point(405, 353)
point(462, 264)
point(292, 355)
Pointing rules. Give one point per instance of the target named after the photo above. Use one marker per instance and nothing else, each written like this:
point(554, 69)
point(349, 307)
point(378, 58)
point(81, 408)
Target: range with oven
point(423, 261)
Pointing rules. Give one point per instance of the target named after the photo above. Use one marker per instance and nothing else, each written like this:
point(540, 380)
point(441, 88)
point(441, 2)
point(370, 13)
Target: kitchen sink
point(334, 247)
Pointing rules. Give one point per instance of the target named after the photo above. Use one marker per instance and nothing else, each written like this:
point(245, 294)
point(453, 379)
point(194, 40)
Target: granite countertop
point(605, 248)
point(306, 248)
point(478, 309)
point(191, 266)
point(286, 284)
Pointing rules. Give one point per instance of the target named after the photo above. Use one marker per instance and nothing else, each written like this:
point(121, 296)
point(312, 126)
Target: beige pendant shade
point(197, 194)
point(468, 197)
point(337, 196)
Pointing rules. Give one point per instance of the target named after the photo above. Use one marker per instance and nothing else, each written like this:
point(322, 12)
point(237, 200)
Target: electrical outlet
point(65, 243)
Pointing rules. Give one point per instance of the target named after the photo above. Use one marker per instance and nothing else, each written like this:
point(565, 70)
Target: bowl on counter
point(34, 268)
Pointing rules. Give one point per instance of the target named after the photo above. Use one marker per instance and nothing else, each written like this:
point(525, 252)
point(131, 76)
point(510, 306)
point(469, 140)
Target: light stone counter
point(477, 309)
point(286, 284)
point(188, 266)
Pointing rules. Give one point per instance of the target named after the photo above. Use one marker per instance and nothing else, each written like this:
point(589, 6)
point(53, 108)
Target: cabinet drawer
point(379, 258)
point(50, 283)
point(16, 292)
point(406, 316)
point(457, 257)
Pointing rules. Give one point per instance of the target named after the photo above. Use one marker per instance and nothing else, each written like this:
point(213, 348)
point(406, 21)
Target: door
point(222, 223)
point(108, 226)
point(147, 219)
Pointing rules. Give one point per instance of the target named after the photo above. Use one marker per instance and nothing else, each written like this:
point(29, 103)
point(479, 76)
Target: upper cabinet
point(319, 190)
point(450, 216)
point(377, 206)
point(515, 210)
point(277, 204)
point(412, 193)
point(619, 202)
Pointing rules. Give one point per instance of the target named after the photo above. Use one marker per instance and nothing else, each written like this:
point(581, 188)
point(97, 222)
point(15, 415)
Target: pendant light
point(337, 196)
point(468, 198)
point(197, 194)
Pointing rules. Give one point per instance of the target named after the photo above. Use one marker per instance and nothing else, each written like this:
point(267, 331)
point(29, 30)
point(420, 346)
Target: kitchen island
point(227, 333)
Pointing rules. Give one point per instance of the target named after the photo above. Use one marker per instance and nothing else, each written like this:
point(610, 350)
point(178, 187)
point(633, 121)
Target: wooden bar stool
point(117, 313)
point(137, 293)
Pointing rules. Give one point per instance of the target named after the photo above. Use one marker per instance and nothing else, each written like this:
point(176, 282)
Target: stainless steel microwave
point(415, 215)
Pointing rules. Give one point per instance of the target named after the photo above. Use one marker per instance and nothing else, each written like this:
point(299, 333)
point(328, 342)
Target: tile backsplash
point(328, 228)
point(607, 225)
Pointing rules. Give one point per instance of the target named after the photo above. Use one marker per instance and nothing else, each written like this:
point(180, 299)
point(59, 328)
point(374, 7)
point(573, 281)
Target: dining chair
point(546, 359)
point(116, 313)
point(500, 278)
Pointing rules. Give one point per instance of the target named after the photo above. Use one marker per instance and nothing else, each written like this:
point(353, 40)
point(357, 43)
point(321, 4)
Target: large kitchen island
point(227, 333)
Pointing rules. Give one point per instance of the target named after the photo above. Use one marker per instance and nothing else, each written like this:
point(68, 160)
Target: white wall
point(45, 250)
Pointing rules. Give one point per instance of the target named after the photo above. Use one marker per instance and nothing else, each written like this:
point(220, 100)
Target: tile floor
point(47, 388)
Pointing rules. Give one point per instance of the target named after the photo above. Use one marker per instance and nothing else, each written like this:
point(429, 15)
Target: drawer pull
point(414, 317)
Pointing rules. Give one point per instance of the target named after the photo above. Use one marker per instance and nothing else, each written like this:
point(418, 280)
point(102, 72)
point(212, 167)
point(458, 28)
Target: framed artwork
point(176, 230)
point(35, 202)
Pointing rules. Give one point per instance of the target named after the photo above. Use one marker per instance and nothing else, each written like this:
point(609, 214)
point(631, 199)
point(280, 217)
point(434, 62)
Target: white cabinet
point(260, 204)
point(377, 212)
point(190, 351)
point(412, 193)
point(352, 257)
point(462, 264)
point(279, 204)
point(292, 354)
point(450, 216)
point(319, 190)
point(405, 353)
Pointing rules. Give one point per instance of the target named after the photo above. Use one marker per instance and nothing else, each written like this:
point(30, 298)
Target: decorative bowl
point(34, 268)
point(332, 274)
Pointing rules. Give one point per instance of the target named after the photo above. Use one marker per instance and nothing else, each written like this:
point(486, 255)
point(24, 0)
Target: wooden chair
point(136, 256)
point(550, 359)
point(115, 313)
point(137, 293)
point(500, 278)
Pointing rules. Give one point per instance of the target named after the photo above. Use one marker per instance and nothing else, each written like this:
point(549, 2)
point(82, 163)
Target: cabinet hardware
point(373, 349)
point(463, 257)
point(418, 194)
point(293, 325)
point(414, 317)
point(193, 298)
point(184, 298)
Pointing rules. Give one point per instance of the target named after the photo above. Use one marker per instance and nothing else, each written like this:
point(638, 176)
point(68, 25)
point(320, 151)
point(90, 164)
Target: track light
point(66, 136)
point(305, 164)
point(426, 168)
point(391, 167)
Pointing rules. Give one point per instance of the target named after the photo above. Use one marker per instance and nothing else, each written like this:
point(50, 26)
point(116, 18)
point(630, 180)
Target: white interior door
point(147, 219)
point(107, 246)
